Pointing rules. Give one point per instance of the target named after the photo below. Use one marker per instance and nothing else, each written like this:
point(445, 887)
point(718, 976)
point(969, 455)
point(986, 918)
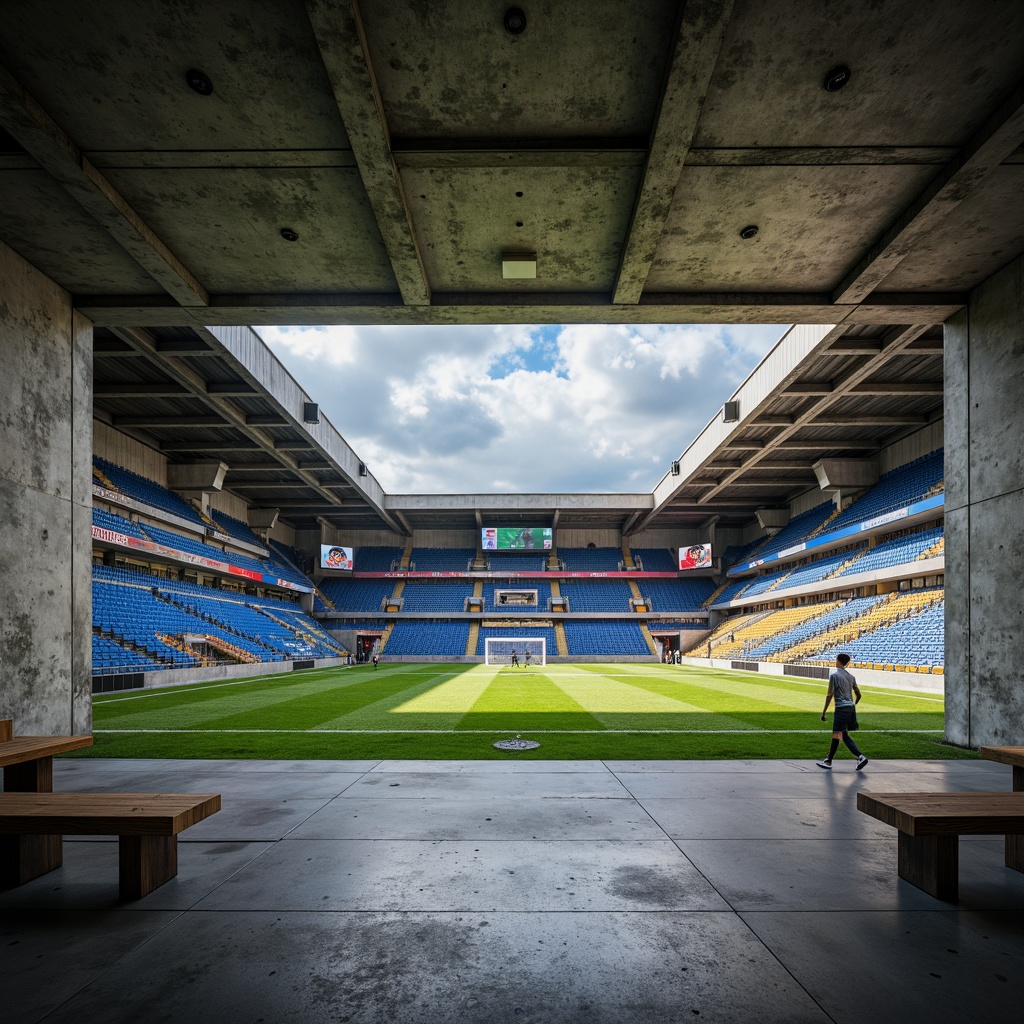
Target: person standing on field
point(842, 688)
point(515, 660)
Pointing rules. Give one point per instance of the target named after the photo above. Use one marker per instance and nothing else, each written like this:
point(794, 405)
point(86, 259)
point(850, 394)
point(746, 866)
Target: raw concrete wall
point(45, 505)
point(984, 371)
point(126, 452)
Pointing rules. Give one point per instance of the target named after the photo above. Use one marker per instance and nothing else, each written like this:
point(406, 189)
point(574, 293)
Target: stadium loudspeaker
point(731, 412)
point(675, 469)
point(310, 412)
point(362, 469)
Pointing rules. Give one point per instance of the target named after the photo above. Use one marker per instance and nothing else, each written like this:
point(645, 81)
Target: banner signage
point(189, 558)
point(537, 575)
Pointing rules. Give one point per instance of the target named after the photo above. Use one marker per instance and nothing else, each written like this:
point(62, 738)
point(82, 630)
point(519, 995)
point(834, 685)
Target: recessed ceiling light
point(749, 231)
point(199, 81)
point(518, 266)
point(288, 235)
point(837, 78)
point(515, 21)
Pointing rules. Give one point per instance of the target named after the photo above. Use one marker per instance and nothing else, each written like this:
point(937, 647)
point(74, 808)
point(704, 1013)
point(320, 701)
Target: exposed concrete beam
point(339, 33)
point(525, 308)
point(231, 388)
point(823, 387)
point(836, 420)
point(698, 43)
point(292, 444)
point(220, 447)
point(24, 119)
point(825, 444)
point(463, 153)
point(270, 485)
point(897, 387)
point(270, 419)
point(990, 145)
point(786, 482)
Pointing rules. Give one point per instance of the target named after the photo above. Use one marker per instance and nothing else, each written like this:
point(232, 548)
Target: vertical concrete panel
point(957, 677)
point(957, 411)
point(81, 526)
point(44, 554)
point(996, 368)
point(997, 620)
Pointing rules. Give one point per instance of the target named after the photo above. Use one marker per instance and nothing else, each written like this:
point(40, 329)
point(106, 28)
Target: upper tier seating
point(591, 559)
point(148, 492)
point(896, 489)
point(442, 559)
point(676, 595)
point(655, 559)
point(518, 562)
point(375, 559)
point(798, 529)
point(235, 528)
point(118, 524)
point(349, 595)
point(436, 596)
point(592, 596)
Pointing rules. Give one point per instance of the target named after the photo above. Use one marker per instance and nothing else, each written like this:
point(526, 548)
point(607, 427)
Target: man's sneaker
point(825, 764)
point(862, 762)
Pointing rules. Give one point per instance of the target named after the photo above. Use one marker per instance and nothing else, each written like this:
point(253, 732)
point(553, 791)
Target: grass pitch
point(613, 711)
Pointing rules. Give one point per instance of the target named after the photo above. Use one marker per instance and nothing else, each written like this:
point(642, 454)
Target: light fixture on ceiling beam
point(837, 78)
point(198, 81)
point(518, 266)
point(514, 21)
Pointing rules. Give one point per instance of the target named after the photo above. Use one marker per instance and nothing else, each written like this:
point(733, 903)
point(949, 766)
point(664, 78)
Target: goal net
point(499, 651)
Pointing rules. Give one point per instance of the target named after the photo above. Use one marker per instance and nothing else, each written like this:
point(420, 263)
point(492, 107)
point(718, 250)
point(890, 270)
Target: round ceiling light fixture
point(515, 21)
point(837, 78)
point(198, 81)
point(288, 235)
point(750, 231)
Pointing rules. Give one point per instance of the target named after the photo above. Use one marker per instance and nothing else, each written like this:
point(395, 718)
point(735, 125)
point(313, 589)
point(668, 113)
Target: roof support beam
point(896, 339)
point(698, 43)
point(42, 137)
point(997, 138)
point(339, 33)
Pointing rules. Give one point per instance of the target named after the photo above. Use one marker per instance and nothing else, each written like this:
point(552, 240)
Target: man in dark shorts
point(842, 687)
point(515, 660)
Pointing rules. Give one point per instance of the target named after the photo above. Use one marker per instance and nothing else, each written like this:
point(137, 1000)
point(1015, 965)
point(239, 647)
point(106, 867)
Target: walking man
point(842, 687)
point(515, 659)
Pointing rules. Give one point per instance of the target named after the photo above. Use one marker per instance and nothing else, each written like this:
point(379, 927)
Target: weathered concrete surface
point(724, 911)
point(45, 504)
point(984, 368)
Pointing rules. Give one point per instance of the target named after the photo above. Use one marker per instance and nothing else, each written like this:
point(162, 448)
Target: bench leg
point(145, 862)
point(23, 858)
point(1015, 852)
point(931, 863)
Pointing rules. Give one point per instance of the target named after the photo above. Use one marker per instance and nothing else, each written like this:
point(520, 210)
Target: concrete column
point(45, 505)
point(984, 417)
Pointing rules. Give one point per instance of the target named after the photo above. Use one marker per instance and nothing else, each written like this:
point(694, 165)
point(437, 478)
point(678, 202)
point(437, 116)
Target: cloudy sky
point(520, 408)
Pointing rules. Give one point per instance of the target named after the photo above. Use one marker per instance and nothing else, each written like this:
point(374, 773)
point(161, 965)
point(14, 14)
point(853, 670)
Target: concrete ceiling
point(409, 144)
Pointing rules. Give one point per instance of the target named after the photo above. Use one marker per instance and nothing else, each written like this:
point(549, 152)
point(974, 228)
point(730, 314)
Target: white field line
point(493, 732)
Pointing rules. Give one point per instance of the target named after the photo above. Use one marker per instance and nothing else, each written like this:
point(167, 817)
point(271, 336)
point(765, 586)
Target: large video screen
point(514, 538)
point(696, 556)
point(332, 556)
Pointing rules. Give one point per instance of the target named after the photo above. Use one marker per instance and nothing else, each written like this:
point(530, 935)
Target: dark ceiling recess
point(515, 21)
point(837, 78)
point(750, 231)
point(288, 235)
point(199, 81)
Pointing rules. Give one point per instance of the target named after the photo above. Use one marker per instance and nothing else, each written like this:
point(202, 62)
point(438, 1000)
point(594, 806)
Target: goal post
point(498, 651)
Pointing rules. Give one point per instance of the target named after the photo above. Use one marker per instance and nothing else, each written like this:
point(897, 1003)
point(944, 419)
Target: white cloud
point(480, 408)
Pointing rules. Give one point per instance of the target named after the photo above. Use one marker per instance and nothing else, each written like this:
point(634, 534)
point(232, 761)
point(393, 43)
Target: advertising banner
point(333, 556)
point(696, 556)
point(507, 538)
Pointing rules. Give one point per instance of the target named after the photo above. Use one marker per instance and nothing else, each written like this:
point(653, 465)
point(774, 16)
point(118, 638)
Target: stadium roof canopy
point(181, 166)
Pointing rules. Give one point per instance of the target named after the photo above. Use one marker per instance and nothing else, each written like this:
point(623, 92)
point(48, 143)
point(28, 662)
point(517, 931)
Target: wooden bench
point(930, 825)
point(146, 824)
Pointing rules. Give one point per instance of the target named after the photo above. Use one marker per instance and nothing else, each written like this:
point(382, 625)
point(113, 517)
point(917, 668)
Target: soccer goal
point(499, 652)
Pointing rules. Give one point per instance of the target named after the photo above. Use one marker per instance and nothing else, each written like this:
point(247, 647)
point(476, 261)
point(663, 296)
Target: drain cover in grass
point(517, 744)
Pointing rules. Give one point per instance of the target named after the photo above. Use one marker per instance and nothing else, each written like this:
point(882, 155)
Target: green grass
point(613, 711)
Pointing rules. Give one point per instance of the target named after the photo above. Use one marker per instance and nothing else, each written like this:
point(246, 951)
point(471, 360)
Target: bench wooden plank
point(29, 748)
point(146, 824)
point(930, 825)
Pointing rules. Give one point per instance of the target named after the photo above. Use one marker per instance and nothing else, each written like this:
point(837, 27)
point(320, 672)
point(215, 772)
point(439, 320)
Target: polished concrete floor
point(364, 891)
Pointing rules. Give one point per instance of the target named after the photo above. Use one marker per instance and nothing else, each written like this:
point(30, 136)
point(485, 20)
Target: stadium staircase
point(386, 636)
point(473, 639)
point(326, 600)
point(226, 627)
point(396, 594)
point(823, 528)
point(104, 479)
point(179, 645)
point(778, 583)
point(305, 636)
point(651, 645)
point(846, 565)
point(714, 597)
point(935, 550)
point(627, 555)
point(561, 643)
point(233, 652)
point(406, 557)
point(754, 633)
